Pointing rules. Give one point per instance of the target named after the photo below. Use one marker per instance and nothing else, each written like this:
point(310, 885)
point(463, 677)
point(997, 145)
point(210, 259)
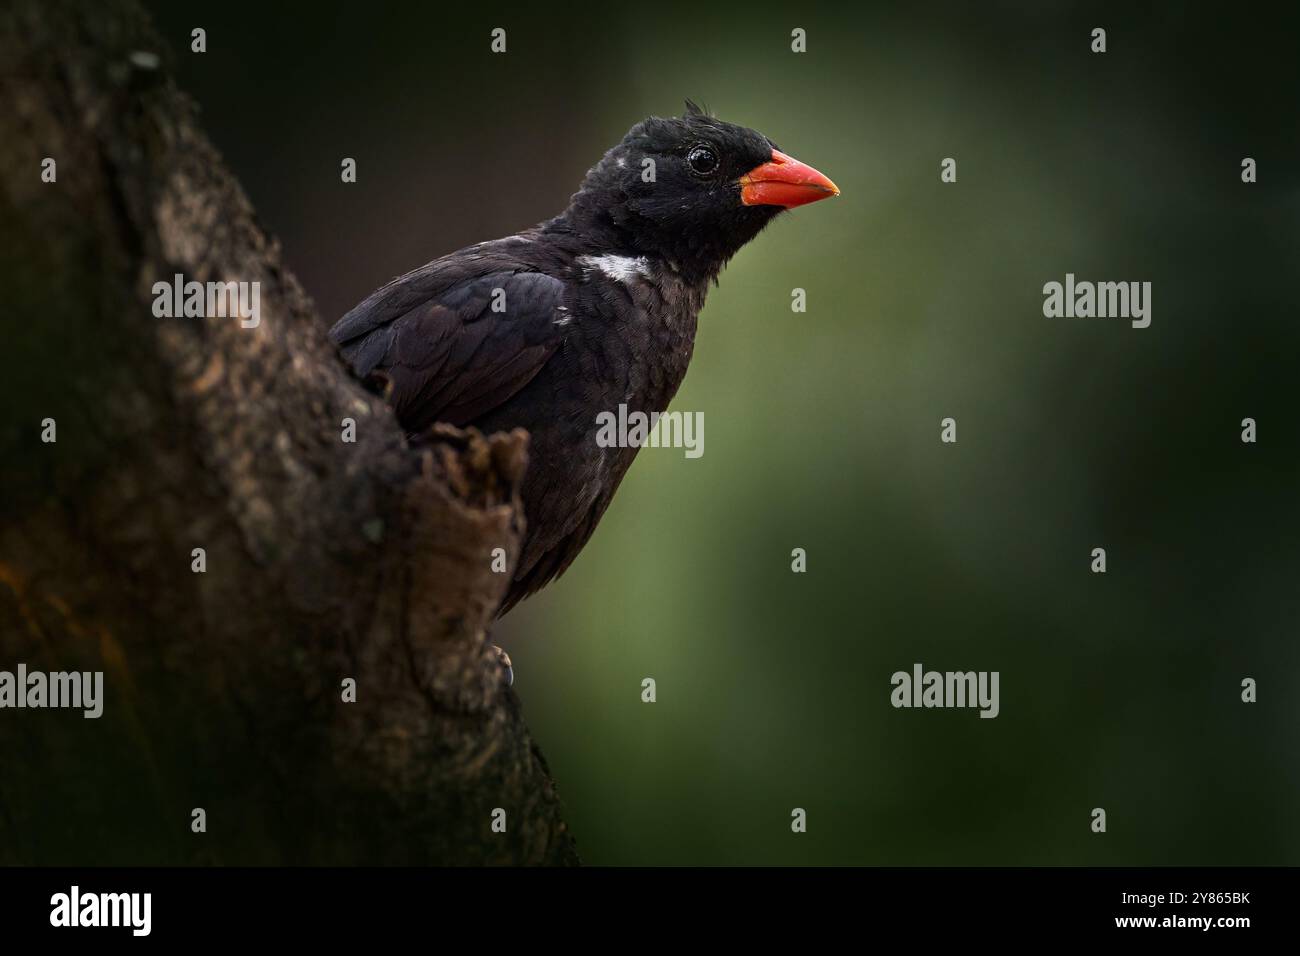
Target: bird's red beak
point(784, 182)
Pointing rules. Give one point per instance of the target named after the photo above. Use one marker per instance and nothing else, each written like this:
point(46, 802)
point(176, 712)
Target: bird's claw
point(504, 658)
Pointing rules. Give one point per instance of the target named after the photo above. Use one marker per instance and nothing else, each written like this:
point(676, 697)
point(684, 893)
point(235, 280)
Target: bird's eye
point(702, 160)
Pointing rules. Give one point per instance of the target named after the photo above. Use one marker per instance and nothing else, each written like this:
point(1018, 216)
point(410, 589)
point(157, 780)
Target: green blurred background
point(1120, 690)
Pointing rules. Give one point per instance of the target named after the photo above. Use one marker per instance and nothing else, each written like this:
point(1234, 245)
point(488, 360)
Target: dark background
point(1120, 690)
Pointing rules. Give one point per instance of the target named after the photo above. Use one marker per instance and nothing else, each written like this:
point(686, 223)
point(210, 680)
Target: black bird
point(593, 309)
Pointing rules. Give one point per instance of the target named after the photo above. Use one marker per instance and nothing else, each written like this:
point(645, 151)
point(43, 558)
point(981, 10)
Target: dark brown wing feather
point(456, 338)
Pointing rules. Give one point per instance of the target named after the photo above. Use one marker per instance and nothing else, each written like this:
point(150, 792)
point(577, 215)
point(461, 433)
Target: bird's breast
point(643, 322)
point(628, 333)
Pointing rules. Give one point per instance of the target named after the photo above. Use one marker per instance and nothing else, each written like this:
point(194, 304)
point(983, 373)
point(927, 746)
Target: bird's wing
point(456, 338)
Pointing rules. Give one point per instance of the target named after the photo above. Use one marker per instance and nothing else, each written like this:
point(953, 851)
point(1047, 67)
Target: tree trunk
point(326, 559)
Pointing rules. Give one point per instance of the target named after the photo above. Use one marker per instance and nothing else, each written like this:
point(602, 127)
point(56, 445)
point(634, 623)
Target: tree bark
point(325, 559)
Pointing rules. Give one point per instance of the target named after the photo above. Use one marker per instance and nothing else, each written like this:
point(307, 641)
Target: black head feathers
point(672, 190)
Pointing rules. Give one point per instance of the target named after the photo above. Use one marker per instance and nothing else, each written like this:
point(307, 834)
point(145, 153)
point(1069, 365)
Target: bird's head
point(691, 190)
